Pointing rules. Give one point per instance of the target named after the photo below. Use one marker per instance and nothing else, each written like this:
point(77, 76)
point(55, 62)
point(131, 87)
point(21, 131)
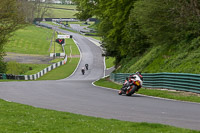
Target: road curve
point(76, 94)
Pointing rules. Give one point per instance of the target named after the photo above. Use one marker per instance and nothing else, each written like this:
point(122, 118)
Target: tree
point(113, 16)
point(11, 19)
point(86, 8)
point(130, 27)
point(167, 21)
point(40, 8)
point(113, 20)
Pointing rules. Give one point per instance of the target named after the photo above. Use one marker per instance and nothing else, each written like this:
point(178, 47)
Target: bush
point(2, 67)
point(14, 68)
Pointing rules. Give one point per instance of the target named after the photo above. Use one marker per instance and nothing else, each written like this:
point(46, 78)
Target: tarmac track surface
point(76, 94)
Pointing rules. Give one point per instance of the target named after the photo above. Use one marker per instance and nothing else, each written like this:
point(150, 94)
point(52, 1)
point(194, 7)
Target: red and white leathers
point(135, 78)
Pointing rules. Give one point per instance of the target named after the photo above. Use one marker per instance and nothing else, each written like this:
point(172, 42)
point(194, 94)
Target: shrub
point(14, 68)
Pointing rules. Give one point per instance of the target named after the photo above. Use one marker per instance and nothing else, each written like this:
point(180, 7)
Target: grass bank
point(109, 62)
point(24, 69)
point(61, 11)
point(19, 118)
point(63, 71)
point(30, 40)
point(176, 95)
point(180, 58)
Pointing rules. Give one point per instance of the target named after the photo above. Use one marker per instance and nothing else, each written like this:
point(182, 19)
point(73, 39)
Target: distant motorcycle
point(131, 85)
point(83, 70)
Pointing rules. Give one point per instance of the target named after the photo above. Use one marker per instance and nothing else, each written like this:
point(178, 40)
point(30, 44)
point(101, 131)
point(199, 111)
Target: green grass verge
point(68, 30)
point(62, 71)
point(109, 62)
point(71, 48)
point(18, 118)
point(56, 60)
point(60, 13)
point(176, 95)
point(35, 68)
point(49, 22)
point(24, 69)
point(95, 37)
point(63, 6)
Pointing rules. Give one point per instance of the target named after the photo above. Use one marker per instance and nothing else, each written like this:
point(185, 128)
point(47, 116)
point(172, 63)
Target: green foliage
point(109, 62)
point(166, 22)
point(2, 66)
point(14, 68)
point(112, 22)
point(11, 19)
point(85, 8)
point(155, 20)
point(134, 40)
point(140, 63)
point(30, 69)
point(24, 69)
point(181, 59)
point(134, 31)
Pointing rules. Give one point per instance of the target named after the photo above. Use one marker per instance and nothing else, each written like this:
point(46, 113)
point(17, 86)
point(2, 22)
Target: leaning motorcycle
point(130, 86)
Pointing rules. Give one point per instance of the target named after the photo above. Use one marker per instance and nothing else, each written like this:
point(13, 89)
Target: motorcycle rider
point(135, 77)
point(83, 70)
point(86, 66)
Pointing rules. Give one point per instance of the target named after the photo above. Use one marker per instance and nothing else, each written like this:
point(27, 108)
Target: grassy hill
point(180, 58)
point(32, 40)
point(61, 11)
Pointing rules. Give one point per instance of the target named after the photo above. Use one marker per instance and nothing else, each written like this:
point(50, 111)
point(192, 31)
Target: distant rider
point(83, 70)
point(86, 66)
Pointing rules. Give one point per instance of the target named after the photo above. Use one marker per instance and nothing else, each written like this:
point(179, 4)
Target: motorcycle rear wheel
point(132, 91)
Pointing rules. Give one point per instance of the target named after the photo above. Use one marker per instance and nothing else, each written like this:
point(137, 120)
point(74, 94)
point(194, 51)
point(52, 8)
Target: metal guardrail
point(175, 81)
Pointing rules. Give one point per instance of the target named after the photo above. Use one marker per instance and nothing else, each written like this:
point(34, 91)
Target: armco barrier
point(174, 81)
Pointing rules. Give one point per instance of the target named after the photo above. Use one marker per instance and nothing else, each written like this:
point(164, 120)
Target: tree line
point(130, 27)
point(15, 14)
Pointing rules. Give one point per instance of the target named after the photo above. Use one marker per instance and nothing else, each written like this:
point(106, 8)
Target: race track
point(76, 94)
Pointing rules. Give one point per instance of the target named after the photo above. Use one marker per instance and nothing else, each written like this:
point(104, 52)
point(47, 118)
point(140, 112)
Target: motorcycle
point(130, 86)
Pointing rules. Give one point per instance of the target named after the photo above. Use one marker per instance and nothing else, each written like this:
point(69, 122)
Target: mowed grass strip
point(72, 7)
point(61, 72)
point(18, 118)
point(35, 68)
point(60, 13)
point(71, 47)
point(176, 95)
point(30, 40)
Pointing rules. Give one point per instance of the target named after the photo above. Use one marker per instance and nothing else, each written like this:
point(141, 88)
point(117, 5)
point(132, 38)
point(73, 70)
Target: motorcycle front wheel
point(131, 91)
point(120, 92)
